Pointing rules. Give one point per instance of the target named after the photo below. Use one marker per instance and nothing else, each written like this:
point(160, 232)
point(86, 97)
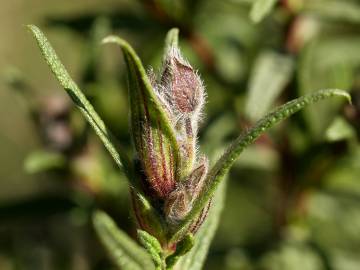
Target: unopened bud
point(183, 92)
point(179, 202)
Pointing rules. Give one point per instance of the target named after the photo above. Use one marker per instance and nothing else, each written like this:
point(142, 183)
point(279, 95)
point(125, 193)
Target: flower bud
point(179, 202)
point(165, 115)
point(183, 93)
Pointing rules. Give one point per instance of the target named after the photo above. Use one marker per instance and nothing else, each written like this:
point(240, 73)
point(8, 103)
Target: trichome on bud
point(172, 175)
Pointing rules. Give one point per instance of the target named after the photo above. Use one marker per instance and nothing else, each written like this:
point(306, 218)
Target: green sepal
point(183, 247)
point(124, 252)
point(223, 165)
point(152, 131)
point(147, 217)
point(152, 245)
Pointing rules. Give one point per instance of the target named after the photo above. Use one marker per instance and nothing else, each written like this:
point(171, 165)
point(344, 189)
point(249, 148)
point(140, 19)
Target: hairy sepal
point(147, 217)
point(183, 93)
point(152, 130)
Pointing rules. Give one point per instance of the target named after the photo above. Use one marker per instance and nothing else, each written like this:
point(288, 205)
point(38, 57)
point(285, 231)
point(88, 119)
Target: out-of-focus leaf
point(294, 256)
point(223, 165)
point(174, 8)
point(216, 134)
point(269, 158)
point(125, 253)
point(153, 247)
point(324, 63)
point(260, 9)
point(93, 71)
point(40, 161)
point(236, 258)
point(343, 10)
point(334, 219)
point(41, 206)
point(343, 176)
point(79, 99)
point(194, 260)
point(340, 130)
point(269, 76)
point(126, 18)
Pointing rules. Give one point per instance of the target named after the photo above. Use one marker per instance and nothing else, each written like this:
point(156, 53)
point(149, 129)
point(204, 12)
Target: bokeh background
point(293, 198)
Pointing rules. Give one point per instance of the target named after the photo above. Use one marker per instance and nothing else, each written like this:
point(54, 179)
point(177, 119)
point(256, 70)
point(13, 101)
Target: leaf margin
point(110, 235)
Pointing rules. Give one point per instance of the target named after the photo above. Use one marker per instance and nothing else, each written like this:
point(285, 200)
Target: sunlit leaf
point(125, 253)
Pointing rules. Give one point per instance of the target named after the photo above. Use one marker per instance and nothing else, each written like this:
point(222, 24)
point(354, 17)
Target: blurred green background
point(293, 198)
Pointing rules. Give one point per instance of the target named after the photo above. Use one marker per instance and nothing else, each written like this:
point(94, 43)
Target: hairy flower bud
point(179, 202)
point(182, 92)
point(165, 115)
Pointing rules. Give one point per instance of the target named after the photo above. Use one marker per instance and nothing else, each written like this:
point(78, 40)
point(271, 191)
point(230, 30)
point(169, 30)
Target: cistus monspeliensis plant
point(176, 196)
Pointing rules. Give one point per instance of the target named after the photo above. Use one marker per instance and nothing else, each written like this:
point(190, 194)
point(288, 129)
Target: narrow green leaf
point(79, 99)
point(222, 166)
point(271, 73)
point(195, 259)
point(125, 253)
point(153, 247)
point(261, 8)
point(147, 113)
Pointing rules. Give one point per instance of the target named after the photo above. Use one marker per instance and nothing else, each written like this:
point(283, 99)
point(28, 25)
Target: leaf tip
point(30, 26)
point(124, 45)
point(343, 93)
point(172, 37)
point(116, 40)
point(33, 29)
point(110, 39)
